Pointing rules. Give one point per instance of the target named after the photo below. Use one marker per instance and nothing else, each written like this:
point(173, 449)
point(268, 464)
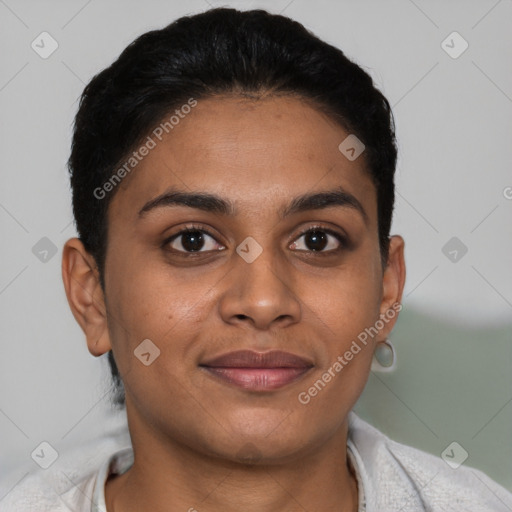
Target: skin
point(192, 434)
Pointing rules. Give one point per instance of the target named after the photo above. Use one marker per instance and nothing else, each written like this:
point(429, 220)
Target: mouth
point(258, 371)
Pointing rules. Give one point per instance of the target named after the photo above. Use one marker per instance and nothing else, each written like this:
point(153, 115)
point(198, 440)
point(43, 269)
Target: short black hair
point(221, 51)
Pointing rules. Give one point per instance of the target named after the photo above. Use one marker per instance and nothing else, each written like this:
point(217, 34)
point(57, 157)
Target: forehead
point(253, 152)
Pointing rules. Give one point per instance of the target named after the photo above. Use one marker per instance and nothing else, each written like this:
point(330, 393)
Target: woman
point(233, 190)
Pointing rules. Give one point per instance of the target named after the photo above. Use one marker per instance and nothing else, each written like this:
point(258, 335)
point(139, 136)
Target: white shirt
point(391, 477)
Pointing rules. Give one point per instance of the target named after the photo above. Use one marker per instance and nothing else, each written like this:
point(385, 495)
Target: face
point(262, 268)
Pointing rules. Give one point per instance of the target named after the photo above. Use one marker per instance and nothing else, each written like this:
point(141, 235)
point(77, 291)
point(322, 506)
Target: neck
point(168, 475)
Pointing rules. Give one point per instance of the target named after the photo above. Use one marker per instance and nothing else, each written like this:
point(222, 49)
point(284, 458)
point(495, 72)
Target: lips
point(257, 371)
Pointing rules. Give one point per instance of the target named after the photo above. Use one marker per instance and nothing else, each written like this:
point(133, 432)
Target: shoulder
point(67, 484)
point(394, 474)
point(45, 491)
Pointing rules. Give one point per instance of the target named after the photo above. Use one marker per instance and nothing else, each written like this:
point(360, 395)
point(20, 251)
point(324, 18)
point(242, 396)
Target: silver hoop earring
point(384, 357)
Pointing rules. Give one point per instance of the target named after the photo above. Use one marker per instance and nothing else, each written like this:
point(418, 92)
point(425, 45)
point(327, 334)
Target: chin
point(268, 441)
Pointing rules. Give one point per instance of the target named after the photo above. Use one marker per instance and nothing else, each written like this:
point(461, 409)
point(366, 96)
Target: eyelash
point(317, 227)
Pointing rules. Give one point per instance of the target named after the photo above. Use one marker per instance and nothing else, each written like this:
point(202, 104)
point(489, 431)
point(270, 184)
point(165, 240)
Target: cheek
point(166, 308)
point(344, 309)
point(345, 312)
point(349, 301)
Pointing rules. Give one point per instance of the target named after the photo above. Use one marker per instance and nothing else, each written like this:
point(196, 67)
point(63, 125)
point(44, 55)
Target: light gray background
point(454, 126)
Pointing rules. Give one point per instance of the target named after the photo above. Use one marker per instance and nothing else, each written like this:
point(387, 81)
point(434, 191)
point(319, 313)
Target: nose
point(260, 294)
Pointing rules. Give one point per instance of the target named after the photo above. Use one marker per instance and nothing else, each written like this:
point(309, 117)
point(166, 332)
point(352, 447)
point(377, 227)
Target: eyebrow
point(216, 204)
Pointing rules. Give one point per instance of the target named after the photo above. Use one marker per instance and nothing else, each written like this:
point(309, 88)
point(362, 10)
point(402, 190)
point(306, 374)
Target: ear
point(85, 296)
point(393, 281)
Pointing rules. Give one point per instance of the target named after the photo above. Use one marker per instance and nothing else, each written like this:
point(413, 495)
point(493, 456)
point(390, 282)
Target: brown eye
point(192, 240)
point(319, 240)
